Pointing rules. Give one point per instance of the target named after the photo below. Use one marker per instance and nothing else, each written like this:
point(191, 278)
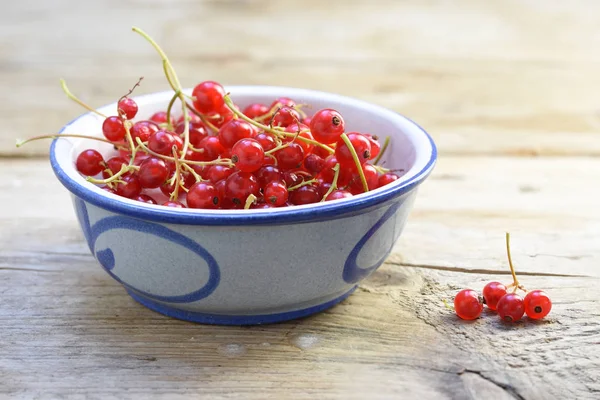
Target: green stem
point(333, 186)
point(512, 268)
point(175, 193)
point(221, 161)
point(249, 201)
point(205, 120)
point(361, 173)
point(386, 143)
point(130, 141)
point(169, 107)
point(71, 96)
point(194, 173)
point(304, 183)
point(62, 135)
point(124, 169)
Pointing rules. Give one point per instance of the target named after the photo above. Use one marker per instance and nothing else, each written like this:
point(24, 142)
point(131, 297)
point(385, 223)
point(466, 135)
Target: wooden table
point(508, 89)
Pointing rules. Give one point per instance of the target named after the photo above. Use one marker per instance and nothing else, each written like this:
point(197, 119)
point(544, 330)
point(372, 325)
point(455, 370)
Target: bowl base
point(224, 319)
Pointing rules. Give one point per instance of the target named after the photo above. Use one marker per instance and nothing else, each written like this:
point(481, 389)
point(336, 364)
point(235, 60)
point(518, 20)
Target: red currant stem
point(168, 75)
point(59, 135)
point(512, 268)
point(249, 201)
point(71, 96)
point(271, 130)
point(333, 186)
point(194, 173)
point(304, 183)
point(132, 146)
point(175, 193)
point(356, 161)
point(278, 147)
point(381, 170)
point(124, 169)
point(448, 306)
point(386, 143)
point(169, 107)
point(273, 157)
point(202, 117)
point(269, 114)
point(220, 161)
point(161, 53)
point(132, 89)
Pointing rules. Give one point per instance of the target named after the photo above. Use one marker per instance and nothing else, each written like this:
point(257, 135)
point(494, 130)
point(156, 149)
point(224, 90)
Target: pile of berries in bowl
point(241, 204)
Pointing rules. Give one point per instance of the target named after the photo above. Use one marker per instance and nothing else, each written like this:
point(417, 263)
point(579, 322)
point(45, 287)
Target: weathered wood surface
point(509, 90)
point(504, 77)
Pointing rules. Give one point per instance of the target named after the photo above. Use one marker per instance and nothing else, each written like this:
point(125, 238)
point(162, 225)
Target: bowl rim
point(296, 214)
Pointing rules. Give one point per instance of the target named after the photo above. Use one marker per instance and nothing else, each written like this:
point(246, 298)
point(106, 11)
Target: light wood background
point(510, 91)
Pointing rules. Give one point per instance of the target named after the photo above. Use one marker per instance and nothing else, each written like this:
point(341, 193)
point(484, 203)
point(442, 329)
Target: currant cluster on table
point(261, 157)
point(510, 306)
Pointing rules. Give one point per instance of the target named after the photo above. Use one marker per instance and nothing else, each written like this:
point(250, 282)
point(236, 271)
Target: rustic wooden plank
point(509, 78)
point(66, 323)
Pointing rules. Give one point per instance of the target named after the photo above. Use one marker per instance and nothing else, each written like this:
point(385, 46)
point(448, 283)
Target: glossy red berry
point(113, 129)
point(89, 162)
point(173, 204)
point(387, 178)
point(210, 149)
point(314, 164)
point(203, 195)
point(276, 193)
point(114, 165)
point(159, 117)
point(305, 195)
point(282, 102)
point(144, 198)
point(240, 185)
point(127, 107)
point(290, 156)
point(153, 172)
point(266, 141)
point(375, 145)
point(327, 126)
point(143, 130)
point(510, 307)
point(196, 130)
point(216, 173)
point(255, 110)
point(285, 116)
point(247, 155)
point(129, 186)
point(468, 304)
point(371, 176)
point(268, 173)
point(338, 194)
point(537, 304)
point(492, 293)
point(208, 97)
point(162, 142)
point(235, 130)
point(361, 146)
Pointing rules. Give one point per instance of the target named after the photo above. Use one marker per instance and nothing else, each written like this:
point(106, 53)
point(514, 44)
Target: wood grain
point(509, 78)
point(66, 323)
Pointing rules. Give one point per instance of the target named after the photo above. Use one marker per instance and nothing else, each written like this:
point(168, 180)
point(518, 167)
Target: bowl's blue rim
point(293, 215)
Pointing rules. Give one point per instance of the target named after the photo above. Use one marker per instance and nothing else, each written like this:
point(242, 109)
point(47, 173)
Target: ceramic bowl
point(243, 267)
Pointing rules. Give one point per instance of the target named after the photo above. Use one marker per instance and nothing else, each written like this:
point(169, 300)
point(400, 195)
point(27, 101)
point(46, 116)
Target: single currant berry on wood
point(510, 307)
point(127, 107)
point(468, 305)
point(537, 304)
point(492, 293)
point(89, 162)
point(327, 126)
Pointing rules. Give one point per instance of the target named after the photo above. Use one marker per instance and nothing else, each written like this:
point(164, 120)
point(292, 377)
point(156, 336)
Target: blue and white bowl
point(241, 267)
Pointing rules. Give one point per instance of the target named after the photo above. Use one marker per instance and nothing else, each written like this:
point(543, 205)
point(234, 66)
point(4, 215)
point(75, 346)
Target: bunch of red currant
point(468, 304)
point(215, 156)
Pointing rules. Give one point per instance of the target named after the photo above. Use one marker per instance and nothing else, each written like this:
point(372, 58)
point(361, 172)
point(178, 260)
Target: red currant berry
point(321, 152)
point(282, 102)
point(468, 304)
point(314, 164)
point(323, 187)
point(338, 194)
point(113, 129)
point(361, 146)
point(327, 126)
point(268, 173)
point(203, 195)
point(168, 188)
point(375, 145)
point(537, 304)
point(240, 185)
point(210, 149)
point(266, 141)
point(174, 204)
point(371, 176)
point(159, 117)
point(235, 130)
point(89, 162)
point(255, 110)
point(216, 173)
point(291, 178)
point(197, 132)
point(387, 178)
point(113, 165)
point(510, 307)
point(144, 198)
point(247, 155)
point(208, 97)
point(129, 186)
point(275, 193)
point(153, 172)
point(260, 206)
point(127, 107)
point(162, 142)
point(290, 156)
point(286, 116)
point(143, 130)
point(305, 195)
point(492, 293)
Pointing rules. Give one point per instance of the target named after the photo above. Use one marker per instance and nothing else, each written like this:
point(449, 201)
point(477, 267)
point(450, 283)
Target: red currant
point(537, 304)
point(203, 195)
point(375, 145)
point(113, 129)
point(240, 185)
point(266, 141)
point(510, 307)
point(159, 117)
point(387, 178)
point(276, 193)
point(162, 142)
point(290, 156)
point(153, 172)
point(255, 110)
point(129, 186)
point(314, 164)
point(286, 116)
point(143, 130)
point(144, 198)
point(210, 149)
point(247, 155)
point(127, 107)
point(89, 162)
point(113, 165)
point(492, 293)
point(338, 194)
point(305, 195)
point(216, 173)
point(235, 130)
point(208, 97)
point(268, 173)
point(327, 126)
point(283, 101)
point(371, 176)
point(361, 146)
point(468, 304)
point(197, 132)
point(174, 204)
